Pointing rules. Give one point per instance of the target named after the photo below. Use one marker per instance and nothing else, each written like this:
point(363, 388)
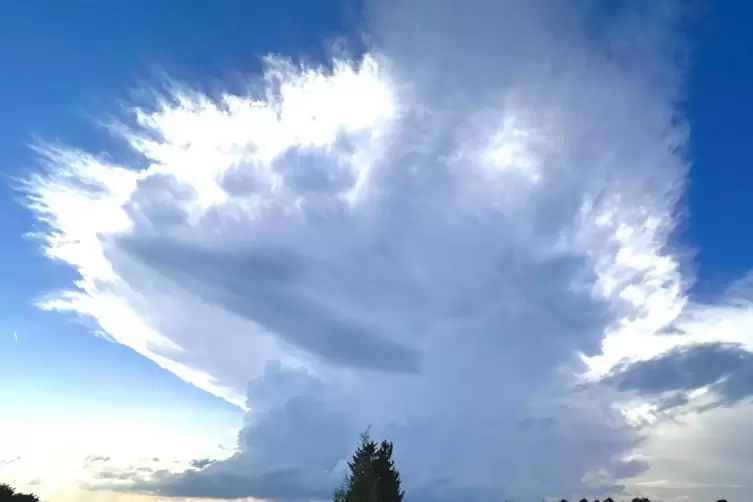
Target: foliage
point(372, 475)
point(6, 492)
point(9, 494)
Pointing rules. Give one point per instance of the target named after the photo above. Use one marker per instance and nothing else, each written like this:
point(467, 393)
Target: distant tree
point(25, 497)
point(563, 500)
point(372, 475)
point(583, 500)
point(722, 500)
point(640, 499)
point(9, 494)
point(6, 492)
point(608, 499)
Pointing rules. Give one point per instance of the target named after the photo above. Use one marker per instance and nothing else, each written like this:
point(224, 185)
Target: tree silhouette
point(9, 494)
point(608, 499)
point(372, 477)
point(360, 484)
point(388, 478)
point(25, 497)
point(6, 492)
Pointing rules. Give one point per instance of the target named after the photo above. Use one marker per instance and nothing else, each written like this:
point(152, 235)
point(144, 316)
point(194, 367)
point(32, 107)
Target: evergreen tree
point(372, 475)
point(387, 475)
point(361, 482)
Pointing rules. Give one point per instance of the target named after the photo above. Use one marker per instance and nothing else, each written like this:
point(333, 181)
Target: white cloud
point(431, 239)
point(51, 458)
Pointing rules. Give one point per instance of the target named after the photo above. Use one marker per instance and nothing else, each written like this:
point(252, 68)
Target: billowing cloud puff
point(442, 238)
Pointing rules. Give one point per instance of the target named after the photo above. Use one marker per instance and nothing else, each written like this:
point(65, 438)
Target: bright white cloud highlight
point(52, 459)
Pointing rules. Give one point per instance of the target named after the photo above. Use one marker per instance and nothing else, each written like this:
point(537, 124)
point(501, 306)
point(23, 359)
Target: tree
point(6, 492)
point(608, 499)
point(360, 484)
point(388, 478)
point(25, 497)
point(9, 494)
point(372, 475)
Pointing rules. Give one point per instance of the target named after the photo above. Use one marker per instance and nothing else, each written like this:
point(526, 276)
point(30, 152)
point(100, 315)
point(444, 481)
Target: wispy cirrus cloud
point(441, 238)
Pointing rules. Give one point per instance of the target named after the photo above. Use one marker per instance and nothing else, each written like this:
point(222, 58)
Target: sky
point(507, 236)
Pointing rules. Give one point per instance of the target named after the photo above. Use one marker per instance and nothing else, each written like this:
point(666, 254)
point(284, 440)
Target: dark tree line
point(9, 494)
point(636, 499)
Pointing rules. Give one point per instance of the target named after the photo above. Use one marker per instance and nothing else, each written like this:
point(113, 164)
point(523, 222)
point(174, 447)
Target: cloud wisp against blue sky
point(462, 236)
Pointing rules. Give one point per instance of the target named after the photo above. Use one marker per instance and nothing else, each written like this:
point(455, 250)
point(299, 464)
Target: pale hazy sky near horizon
point(509, 236)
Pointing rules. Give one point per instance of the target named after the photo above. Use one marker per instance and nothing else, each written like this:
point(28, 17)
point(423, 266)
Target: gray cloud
point(201, 463)
point(288, 450)
point(686, 368)
point(426, 241)
point(629, 468)
point(726, 369)
point(264, 285)
point(92, 460)
point(120, 475)
point(9, 461)
point(96, 458)
point(737, 387)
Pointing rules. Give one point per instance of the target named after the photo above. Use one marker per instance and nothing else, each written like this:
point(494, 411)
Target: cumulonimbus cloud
point(440, 238)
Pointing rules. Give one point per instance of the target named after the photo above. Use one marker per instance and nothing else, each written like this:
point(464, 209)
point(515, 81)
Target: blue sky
point(69, 62)
point(67, 65)
point(717, 100)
